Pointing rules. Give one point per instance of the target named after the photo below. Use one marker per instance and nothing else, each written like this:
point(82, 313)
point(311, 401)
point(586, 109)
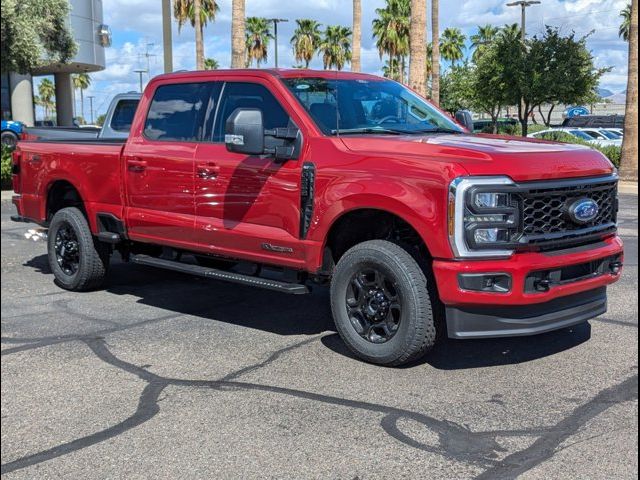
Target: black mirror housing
point(244, 132)
point(464, 118)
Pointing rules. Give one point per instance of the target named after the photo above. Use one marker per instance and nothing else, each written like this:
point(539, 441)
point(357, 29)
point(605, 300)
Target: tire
point(9, 139)
point(85, 268)
point(408, 331)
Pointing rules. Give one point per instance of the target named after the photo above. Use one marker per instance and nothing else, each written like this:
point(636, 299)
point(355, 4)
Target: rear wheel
point(77, 260)
point(381, 305)
point(9, 139)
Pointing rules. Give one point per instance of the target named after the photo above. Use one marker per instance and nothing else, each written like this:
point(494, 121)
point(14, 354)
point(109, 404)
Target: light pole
point(167, 46)
point(276, 21)
point(91, 97)
point(523, 4)
point(140, 71)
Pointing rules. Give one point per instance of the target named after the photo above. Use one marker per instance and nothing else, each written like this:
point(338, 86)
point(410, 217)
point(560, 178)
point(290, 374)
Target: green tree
point(33, 33)
point(258, 35)
point(391, 32)
point(452, 45)
point(81, 81)
point(46, 92)
point(625, 26)
point(490, 94)
point(482, 40)
point(305, 40)
point(211, 64)
point(336, 47)
point(510, 33)
point(550, 69)
point(185, 11)
point(457, 89)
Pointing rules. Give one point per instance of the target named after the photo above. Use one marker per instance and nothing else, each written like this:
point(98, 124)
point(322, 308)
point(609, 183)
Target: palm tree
point(418, 47)
point(511, 33)
point(305, 40)
point(336, 47)
point(435, 54)
point(198, 13)
point(629, 158)
point(258, 35)
point(452, 45)
point(238, 50)
point(391, 68)
point(481, 40)
point(211, 64)
point(625, 26)
point(81, 82)
point(357, 36)
point(47, 92)
point(428, 66)
point(391, 31)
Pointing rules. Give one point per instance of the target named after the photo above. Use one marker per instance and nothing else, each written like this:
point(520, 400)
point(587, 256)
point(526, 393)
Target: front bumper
point(521, 311)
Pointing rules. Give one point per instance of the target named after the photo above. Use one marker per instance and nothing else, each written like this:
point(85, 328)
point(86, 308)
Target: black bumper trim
point(513, 321)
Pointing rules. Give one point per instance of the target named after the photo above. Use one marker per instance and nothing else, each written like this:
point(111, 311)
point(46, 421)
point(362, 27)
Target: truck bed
point(92, 166)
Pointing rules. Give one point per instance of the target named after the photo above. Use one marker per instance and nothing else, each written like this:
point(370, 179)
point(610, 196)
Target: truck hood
point(519, 158)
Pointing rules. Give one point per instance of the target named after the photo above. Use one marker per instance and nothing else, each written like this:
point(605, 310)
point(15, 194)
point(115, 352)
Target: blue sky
point(136, 27)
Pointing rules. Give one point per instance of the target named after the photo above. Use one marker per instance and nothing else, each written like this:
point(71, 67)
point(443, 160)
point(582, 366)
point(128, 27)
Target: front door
point(248, 206)
point(159, 166)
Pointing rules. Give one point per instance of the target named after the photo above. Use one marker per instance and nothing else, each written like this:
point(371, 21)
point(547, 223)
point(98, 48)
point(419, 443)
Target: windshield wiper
point(439, 130)
point(355, 131)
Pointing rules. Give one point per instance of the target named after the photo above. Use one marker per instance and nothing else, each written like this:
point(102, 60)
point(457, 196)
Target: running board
point(285, 287)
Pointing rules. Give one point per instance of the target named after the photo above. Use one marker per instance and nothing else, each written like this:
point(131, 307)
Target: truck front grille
point(544, 217)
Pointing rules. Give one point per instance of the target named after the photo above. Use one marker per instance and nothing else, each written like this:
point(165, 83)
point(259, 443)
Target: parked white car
point(594, 138)
point(603, 135)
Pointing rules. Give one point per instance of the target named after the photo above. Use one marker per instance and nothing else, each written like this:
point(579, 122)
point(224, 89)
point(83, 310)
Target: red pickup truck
point(419, 227)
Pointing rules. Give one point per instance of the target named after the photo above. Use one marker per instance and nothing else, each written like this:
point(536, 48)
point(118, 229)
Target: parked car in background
point(566, 134)
point(603, 135)
point(116, 125)
point(616, 131)
point(594, 121)
point(11, 132)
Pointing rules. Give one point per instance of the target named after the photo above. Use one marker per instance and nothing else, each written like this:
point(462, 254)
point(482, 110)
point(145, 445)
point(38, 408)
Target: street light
point(276, 21)
point(91, 97)
point(140, 71)
point(523, 4)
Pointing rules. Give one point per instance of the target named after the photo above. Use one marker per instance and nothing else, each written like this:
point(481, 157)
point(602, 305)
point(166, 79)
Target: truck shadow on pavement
point(283, 314)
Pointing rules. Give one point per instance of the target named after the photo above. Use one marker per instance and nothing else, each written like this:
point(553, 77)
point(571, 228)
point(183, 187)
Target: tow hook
point(615, 267)
point(543, 285)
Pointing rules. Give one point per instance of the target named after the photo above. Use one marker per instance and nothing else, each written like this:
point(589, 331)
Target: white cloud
point(136, 23)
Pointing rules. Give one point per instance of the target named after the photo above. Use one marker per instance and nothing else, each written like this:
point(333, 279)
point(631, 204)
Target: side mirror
point(464, 118)
point(244, 132)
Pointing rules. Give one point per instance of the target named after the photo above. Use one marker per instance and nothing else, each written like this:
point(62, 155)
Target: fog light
point(485, 282)
point(490, 235)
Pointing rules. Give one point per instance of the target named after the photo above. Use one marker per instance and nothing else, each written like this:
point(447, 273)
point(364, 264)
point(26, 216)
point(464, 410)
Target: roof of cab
point(274, 72)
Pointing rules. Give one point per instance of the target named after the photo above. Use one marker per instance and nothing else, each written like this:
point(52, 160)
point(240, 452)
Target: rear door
point(159, 165)
point(248, 206)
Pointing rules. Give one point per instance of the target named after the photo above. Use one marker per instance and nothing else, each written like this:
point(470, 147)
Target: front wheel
point(381, 305)
point(77, 260)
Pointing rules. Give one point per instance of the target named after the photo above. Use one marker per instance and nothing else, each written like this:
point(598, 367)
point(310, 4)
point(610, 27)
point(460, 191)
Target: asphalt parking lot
point(161, 375)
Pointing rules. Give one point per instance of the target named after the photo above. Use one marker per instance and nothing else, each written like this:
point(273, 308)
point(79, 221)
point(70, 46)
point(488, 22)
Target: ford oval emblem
point(583, 210)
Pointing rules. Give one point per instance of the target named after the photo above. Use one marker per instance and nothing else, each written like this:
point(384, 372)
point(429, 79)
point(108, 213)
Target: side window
point(123, 115)
point(177, 111)
point(249, 95)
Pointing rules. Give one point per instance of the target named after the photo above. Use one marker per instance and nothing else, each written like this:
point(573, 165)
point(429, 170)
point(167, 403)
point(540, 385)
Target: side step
point(293, 288)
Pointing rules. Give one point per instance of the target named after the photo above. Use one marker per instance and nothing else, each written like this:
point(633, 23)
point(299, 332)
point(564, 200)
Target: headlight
point(483, 217)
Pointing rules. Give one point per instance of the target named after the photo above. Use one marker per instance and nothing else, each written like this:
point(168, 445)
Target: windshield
point(611, 135)
point(363, 106)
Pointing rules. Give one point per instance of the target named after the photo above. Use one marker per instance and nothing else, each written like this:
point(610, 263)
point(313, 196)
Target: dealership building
point(92, 37)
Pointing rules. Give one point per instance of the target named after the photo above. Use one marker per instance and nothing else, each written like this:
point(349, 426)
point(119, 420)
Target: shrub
point(5, 169)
